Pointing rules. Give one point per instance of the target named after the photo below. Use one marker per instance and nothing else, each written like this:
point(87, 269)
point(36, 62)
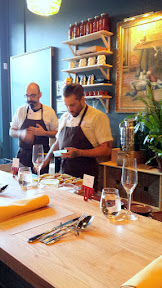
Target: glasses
point(31, 95)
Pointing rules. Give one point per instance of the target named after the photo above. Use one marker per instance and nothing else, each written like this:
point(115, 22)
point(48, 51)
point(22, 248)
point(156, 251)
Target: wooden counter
point(105, 255)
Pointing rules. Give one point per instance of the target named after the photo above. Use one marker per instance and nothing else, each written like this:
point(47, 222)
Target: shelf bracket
point(72, 50)
point(107, 75)
point(105, 104)
point(106, 42)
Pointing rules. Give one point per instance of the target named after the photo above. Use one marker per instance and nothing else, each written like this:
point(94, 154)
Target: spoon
point(65, 227)
point(82, 224)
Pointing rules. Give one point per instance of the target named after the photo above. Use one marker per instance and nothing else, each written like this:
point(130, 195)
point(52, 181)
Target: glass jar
point(95, 24)
point(71, 32)
point(89, 26)
point(104, 22)
point(83, 28)
point(76, 30)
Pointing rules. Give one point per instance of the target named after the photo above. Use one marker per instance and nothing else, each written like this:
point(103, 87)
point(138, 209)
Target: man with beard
point(33, 123)
point(85, 132)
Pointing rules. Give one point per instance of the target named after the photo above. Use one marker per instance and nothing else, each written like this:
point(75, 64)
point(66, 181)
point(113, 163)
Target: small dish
point(69, 187)
point(141, 209)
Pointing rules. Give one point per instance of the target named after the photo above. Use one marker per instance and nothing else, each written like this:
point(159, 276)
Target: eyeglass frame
point(32, 95)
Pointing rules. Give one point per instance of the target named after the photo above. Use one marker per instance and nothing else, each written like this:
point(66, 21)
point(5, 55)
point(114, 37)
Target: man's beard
point(31, 104)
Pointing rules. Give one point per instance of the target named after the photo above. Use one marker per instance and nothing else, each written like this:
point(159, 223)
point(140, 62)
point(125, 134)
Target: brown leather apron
point(77, 167)
point(25, 150)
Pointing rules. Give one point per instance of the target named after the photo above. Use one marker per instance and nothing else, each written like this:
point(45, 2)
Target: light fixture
point(44, 7)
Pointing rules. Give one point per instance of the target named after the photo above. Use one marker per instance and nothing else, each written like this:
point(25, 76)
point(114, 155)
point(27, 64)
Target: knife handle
point(36, 237)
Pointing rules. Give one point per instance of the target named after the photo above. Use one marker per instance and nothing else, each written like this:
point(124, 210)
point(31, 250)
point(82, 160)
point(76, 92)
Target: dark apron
point(77, 167)
point(25, 150)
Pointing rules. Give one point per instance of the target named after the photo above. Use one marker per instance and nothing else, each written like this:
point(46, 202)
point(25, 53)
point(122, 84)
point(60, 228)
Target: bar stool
point(156, 215)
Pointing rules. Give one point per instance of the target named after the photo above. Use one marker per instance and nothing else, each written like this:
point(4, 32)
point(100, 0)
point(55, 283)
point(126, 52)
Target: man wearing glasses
point(33, 123)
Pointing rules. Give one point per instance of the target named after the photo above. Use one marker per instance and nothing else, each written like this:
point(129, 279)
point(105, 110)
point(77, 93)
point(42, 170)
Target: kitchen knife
point(36, 237)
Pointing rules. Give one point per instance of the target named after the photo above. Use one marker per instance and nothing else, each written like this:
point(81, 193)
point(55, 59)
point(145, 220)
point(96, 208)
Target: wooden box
point(89, 50)
point(114, 154)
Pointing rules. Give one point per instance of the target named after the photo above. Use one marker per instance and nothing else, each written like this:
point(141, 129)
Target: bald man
point(33, 123)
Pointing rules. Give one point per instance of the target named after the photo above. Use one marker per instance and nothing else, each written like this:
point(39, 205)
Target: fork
point(47, 238)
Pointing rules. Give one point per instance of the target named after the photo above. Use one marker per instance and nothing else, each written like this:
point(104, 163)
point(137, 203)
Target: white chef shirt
point(95, 125)
point(49, 117)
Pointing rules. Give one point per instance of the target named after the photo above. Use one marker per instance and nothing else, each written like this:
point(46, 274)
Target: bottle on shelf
point(83, 28)
point(104, 22)
point(71, 32)
point(96, 24)
point(76, 29)
point(89, 26)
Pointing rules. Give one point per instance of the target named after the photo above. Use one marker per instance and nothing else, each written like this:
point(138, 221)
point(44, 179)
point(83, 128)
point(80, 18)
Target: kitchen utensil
point(3, 188)
point(48, 237)
point(36, 237)
point(127, 134)
point(82, 224)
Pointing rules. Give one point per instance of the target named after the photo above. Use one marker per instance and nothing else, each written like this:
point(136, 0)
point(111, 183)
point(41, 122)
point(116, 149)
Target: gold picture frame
point(139, 60)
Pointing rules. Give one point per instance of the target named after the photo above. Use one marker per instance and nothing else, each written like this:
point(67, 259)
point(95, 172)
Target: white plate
point(53, 182)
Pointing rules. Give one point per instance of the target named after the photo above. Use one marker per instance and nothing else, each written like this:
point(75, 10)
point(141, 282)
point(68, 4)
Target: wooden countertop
point(105, 255)
point(140, 167)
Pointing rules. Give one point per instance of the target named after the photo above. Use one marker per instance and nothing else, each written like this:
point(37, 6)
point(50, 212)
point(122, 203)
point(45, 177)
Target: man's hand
point(26, 136)
point(72, 153)
point(38, 130)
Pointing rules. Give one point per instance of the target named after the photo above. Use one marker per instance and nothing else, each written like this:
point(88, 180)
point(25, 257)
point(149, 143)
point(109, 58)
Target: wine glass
point(110, 203)
point(38, 158)
point(129, 180)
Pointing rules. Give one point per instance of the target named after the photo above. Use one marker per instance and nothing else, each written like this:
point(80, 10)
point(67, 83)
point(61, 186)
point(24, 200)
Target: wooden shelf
point(88, 38)
point(105, 103)
point(87, 68)
point(97, 85)
point(98, 97)
point(104, 52)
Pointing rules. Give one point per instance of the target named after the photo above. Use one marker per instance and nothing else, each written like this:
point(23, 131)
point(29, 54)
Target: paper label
point(58, 153)
point(15, 162)
point(88, 180)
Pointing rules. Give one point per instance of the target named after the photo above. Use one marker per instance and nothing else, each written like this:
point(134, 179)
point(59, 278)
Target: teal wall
point(22, 31)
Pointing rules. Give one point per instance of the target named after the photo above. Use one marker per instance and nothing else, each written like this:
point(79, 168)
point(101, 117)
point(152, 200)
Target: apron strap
point(83, 115)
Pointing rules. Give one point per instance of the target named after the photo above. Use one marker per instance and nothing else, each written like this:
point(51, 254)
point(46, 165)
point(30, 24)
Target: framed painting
point(139, 60)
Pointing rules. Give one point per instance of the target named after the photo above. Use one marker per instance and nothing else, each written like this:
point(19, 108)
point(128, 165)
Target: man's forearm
point(50, 134)
point(102, 150)
point(49, 156)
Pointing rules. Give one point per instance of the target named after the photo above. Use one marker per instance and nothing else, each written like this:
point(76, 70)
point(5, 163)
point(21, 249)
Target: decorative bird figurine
point(132, 93)
point(143, 40)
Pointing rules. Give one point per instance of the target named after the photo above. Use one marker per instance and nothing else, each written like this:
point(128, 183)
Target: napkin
point(22, 206)
point(149, 277)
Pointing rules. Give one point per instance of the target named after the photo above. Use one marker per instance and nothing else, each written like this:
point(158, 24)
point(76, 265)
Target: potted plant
point(149, 122)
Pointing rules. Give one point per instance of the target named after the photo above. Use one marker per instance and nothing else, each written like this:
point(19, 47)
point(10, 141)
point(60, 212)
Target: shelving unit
point(104, 69)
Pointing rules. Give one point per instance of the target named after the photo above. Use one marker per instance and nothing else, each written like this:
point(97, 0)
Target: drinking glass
point(38, 158)
point(110, 203)
point(129, 180)
point(25, 177)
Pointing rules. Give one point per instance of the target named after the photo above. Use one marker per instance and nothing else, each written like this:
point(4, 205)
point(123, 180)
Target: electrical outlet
point(59, 88)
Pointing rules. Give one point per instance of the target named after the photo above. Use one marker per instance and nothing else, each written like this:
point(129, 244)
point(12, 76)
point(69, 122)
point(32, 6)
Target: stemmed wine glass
point(129, 180)
point(38, 158)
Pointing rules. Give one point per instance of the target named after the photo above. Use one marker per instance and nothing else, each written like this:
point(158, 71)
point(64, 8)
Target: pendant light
point(44, 7)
